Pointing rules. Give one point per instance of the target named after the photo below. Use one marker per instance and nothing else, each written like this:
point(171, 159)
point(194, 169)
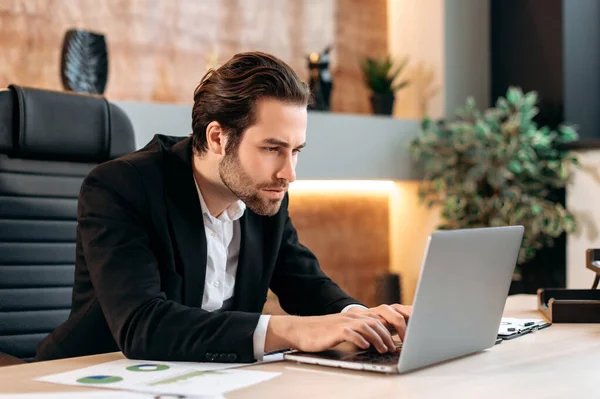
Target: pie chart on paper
point(100, 379)
point(148, 367)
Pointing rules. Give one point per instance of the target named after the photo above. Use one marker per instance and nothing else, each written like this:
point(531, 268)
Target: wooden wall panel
point(159, 49)
point(361, 29)
point(349, 234)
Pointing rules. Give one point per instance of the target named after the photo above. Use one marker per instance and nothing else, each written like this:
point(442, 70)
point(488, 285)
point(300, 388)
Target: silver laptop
point(458, 305)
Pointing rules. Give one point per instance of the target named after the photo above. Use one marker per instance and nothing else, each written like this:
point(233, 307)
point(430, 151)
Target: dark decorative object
point(84, 62)
point(388, 289)
point(321, 82)
point(380, 77)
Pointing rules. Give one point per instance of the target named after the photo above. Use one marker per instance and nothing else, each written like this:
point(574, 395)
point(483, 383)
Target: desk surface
point(556, 362)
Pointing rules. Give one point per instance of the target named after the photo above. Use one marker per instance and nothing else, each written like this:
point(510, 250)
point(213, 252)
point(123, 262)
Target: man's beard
point(242, 186)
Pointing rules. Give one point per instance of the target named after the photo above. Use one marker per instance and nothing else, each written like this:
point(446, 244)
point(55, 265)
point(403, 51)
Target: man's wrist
point(279, 333)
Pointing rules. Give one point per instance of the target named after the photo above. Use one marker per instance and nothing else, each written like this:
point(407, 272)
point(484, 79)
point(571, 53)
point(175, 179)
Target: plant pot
point(382, 104)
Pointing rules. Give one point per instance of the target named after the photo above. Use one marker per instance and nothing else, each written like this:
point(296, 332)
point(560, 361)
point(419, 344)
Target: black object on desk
point(561, 305)
point(592, 262)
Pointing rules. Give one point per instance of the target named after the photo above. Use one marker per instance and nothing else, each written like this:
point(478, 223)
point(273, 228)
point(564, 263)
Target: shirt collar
point(232, 213)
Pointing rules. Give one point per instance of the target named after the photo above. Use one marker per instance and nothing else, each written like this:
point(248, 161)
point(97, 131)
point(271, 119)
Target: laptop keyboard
point(370, 356)
point(374, 357)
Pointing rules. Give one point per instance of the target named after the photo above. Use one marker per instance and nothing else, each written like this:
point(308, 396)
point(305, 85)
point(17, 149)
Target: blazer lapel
point(250, 263)
point(186, 221)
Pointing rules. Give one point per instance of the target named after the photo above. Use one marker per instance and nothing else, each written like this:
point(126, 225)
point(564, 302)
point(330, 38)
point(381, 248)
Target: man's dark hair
point(229, 94)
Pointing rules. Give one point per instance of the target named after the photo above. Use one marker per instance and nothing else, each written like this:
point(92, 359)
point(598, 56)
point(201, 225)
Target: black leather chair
point(49, 141)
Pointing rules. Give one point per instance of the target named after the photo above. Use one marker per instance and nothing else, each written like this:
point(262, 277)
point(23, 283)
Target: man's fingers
point(362, 314)
point(384, 334)
point(355, 338)
point(404, 310)
point(371, 315)
point(395, 318)
point(372, 336)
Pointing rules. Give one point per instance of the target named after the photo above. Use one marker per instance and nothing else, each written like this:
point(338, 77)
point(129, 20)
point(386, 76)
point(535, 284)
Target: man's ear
point(215, 138)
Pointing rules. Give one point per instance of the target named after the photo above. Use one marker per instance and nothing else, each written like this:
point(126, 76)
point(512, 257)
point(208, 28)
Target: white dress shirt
point(223, 239)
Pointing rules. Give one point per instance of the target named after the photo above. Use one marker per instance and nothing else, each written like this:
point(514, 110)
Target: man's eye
point(297, 151)
point(271, 149)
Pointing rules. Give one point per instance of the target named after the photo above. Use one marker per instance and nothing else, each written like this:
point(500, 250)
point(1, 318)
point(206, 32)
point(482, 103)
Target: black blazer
point(141, 266)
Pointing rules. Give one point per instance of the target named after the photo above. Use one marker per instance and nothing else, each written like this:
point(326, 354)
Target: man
point(178, 243)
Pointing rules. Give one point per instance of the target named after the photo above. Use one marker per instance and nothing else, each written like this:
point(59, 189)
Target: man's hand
point(319, 333)
point(394, 317)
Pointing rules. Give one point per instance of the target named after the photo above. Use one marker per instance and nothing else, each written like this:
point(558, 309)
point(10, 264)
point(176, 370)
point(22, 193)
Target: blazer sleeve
point(114, 232)
point(300, 284)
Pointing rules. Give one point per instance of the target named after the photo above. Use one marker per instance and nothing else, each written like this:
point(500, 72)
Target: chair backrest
point(49, 141)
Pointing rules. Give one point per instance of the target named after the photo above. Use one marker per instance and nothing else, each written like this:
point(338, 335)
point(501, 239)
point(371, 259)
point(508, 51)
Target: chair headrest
point(61, 126)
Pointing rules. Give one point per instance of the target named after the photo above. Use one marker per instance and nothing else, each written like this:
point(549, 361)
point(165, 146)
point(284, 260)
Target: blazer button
point(232, 357)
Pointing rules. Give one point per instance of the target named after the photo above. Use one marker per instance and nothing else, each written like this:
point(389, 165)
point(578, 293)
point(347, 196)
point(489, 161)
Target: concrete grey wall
point(342, 146)
point(466, 53)
point(339, 146)
point(149, 119)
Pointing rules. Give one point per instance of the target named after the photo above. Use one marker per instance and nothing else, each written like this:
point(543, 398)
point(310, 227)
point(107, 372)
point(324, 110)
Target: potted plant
point(380, 76)
point(497, 168)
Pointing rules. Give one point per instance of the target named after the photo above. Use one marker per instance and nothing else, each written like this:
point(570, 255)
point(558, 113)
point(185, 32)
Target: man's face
point(264, 164)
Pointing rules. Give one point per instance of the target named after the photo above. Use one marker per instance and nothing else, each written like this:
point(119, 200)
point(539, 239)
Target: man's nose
point(288, 171)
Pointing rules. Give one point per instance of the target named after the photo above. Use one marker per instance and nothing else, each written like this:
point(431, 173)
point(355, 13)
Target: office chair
point(49, 141)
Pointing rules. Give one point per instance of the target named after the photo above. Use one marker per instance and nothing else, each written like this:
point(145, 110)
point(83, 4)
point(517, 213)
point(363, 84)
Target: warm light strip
point(372, 186)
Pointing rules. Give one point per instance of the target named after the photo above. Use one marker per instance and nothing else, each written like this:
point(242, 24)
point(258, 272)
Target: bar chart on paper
point(175, 378)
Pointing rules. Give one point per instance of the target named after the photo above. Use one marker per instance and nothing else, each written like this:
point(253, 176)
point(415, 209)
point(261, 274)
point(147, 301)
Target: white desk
point(562, 361)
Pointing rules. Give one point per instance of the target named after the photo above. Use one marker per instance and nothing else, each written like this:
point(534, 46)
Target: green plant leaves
point(496, 167)
point(514, 96)
point(531, 98)
point(515, 167)
point(379, 75)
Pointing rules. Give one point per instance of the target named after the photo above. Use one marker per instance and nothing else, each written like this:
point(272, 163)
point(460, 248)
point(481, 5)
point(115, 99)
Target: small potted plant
point(380, 76)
